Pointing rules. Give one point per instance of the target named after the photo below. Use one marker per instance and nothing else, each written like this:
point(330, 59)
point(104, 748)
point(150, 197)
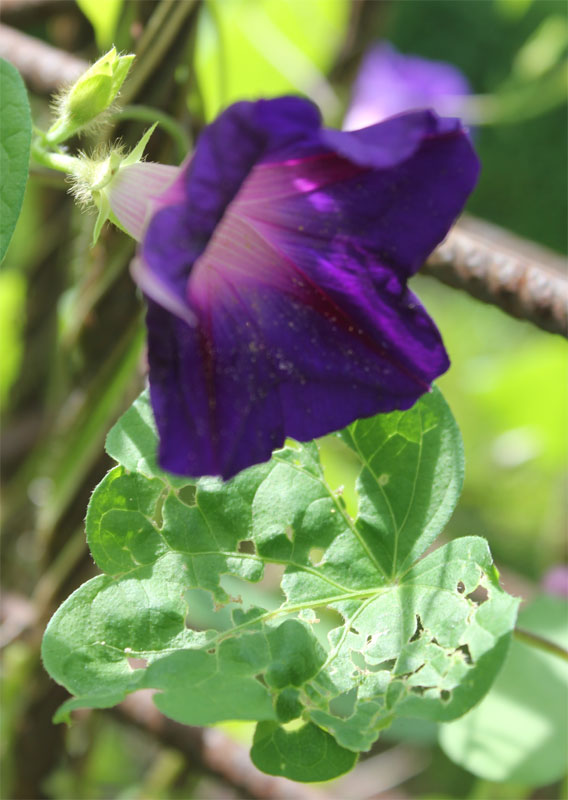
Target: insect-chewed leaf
point(365, 632)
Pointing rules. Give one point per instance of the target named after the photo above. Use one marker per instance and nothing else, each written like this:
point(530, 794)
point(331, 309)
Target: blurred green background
point(72, 357)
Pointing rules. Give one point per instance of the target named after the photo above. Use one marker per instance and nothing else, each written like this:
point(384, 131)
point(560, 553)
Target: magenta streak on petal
point(231, 255)
point(322, 301)
point(214, 285)
point(235, 254)
point(275, 181)
point(138, 189)
point(240, 253)
point(327, 307)
point(267, 183)
point(209, 360)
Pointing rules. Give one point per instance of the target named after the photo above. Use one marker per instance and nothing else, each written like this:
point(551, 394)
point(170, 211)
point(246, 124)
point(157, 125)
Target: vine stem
point(57, 161)
point(161, 41)
point(540, 643)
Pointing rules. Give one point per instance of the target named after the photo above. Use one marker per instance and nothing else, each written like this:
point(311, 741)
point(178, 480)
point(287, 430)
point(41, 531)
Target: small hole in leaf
point(333, 618)
point(464, 650)
point(479, 595)
point(247, 546)
point(137, 663)
point(212, 651)
point(158, 519)
point(271, 581)
point(354, 630)
point(316, 554)
point(419, 629)
point(343, 705)
point(369, 638)
point(461, 587)
point(420, 689)
point(445, 695)
point(358, 659)
point(187, 494)
point(412, 672)
point(384, 665)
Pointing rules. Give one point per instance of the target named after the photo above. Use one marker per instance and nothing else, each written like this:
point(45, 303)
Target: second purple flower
point(275, 269)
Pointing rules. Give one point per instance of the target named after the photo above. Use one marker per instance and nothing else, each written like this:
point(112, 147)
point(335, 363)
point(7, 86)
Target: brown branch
point(14, 6)
point(211, 751)
point(43, 67)
point(525, 280)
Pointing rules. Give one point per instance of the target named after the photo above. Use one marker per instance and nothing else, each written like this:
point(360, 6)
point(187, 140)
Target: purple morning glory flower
point(556, 581)
point(275, 268)
point(390, 82)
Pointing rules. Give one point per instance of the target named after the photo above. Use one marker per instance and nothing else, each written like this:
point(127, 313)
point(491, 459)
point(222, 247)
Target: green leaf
point(103, 16)
point(412, 504)
point(247, 49)
point(15, 139)
point(212, 696)
point(364, 632)
point(307, 754)
point(519, 732)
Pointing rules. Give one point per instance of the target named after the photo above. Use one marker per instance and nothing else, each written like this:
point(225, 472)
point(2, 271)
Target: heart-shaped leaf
point(15, 139)
point(364, 631)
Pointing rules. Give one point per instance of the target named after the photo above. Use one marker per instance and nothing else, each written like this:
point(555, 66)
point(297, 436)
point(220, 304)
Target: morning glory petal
point(279, 356)
point(282, 307)
point(389, 82)
point(400, 212)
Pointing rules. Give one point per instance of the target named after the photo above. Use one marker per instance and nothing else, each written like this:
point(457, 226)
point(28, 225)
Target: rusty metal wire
point(523, 279)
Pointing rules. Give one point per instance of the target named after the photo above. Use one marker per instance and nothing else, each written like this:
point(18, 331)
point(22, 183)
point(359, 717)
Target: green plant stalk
point(58, 572)
point(513, 105)
point(57, 161)
point(153, 26)
point(83, 441)
point(89, 292)
point(153, 54)
point(540, 643)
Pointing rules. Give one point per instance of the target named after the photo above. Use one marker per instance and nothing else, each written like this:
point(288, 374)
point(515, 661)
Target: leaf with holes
point(364, 631)
point(519, 733)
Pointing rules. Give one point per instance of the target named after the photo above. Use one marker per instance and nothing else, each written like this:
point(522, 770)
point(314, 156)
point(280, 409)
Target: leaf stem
point(540, 643)
point(162, 39)
point(58, 161)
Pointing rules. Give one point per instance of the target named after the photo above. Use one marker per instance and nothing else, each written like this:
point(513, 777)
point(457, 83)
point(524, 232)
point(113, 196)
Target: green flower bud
point(90, 96)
